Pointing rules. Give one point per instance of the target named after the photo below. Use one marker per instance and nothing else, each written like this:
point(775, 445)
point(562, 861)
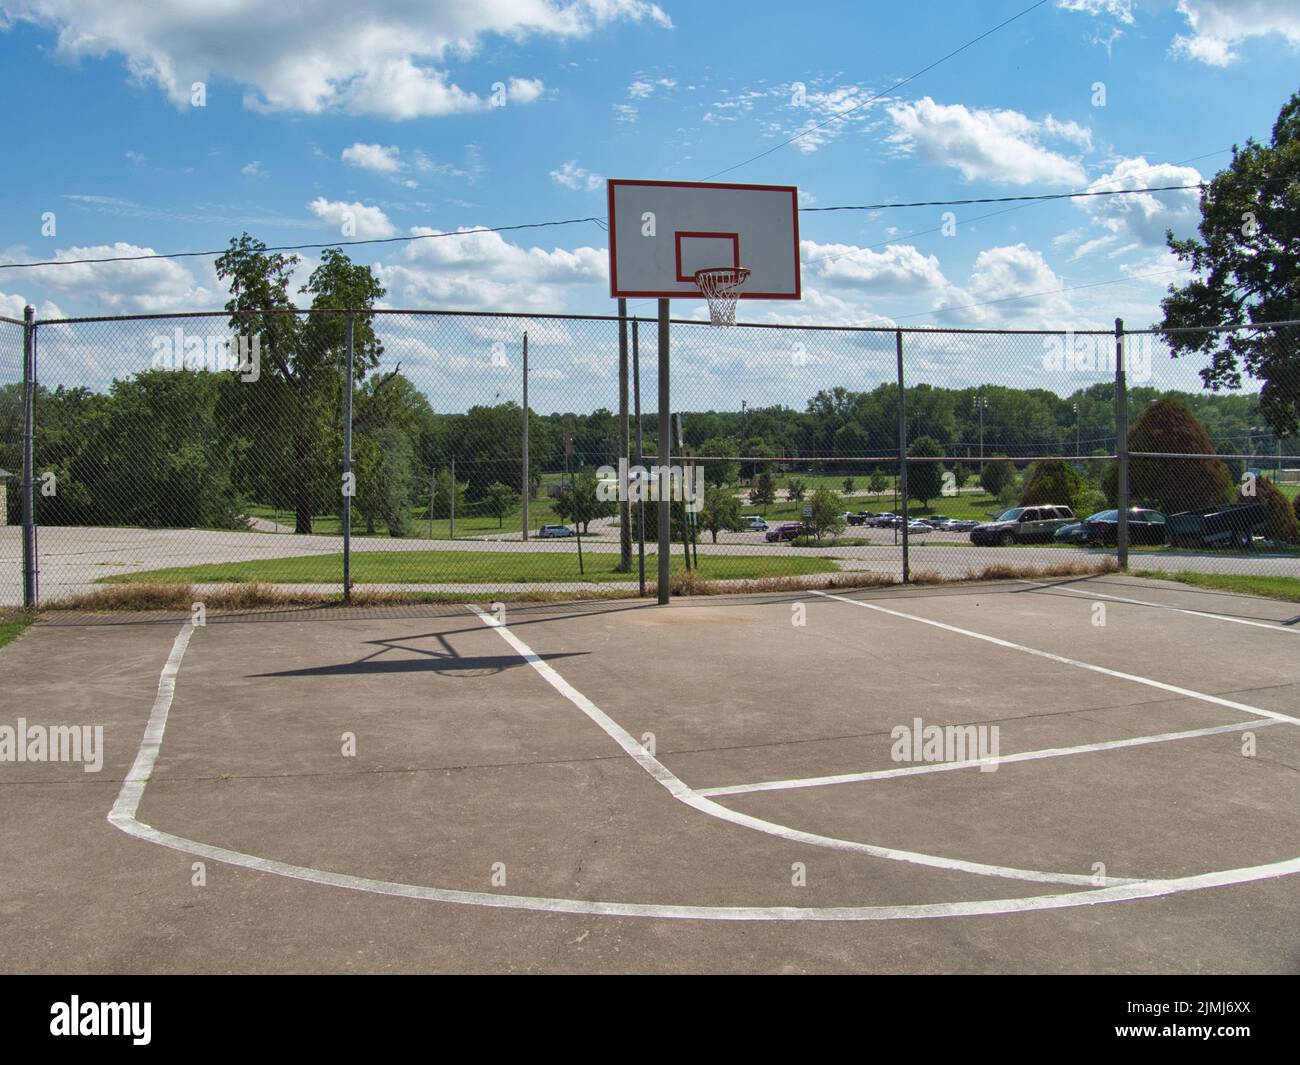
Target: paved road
point(72, 559)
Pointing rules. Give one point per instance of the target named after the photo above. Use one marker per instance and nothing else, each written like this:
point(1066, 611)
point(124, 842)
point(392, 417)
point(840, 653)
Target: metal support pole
point(1121, 447)
point(347, 474)
point(665, 450)
point(453, 495)
point(640, 503)
point(624, 506)
point(527, 483)
point(29, 515)
point(902, 450)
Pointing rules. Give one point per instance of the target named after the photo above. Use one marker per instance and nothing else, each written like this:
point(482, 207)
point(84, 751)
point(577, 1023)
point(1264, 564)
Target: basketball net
point(721, 286)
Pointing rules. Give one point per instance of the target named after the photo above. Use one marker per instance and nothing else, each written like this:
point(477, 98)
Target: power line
point(306, 247)
point(1005, 199)
point(877, 96)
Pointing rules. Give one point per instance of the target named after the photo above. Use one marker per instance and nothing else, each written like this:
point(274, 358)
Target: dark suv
point(1023, 525)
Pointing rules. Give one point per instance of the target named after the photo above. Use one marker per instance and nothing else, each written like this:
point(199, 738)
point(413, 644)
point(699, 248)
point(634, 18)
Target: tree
point(1280, 525)
point(580, 503)
point(879, 483)
point(995, 476)
point(795, 489)
point(924, 479)
point(293, 412)
point(720, 472)
point(1172, 485)
point(721, 512)
point(442, 494)
point(763, 494)
point(848, 486)
point(1054, 481)
point(825, 519)
point(499, 500)
point(1244, 267)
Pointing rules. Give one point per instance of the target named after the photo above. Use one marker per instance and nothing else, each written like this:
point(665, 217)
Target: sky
point(136, 128)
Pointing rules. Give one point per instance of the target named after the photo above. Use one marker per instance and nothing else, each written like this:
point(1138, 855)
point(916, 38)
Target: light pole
point(1076, 429)
point(980, 401)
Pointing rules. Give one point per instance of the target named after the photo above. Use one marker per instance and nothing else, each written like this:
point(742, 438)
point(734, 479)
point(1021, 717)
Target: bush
point(1172, 485)
point(1054, 481)
point(1281, 524)
point(995, 476)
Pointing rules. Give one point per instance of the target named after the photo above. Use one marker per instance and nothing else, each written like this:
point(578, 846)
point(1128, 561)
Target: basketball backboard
point(662, 232)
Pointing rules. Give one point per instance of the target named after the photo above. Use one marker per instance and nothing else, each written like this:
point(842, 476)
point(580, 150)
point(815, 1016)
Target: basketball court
point(713, 785)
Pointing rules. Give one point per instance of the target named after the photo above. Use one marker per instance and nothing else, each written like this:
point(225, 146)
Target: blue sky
point(389, 115)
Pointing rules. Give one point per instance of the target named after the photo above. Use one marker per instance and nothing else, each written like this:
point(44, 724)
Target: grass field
point(470, 567)
point(468, 526)
point(1287, 588)
point(12, 627)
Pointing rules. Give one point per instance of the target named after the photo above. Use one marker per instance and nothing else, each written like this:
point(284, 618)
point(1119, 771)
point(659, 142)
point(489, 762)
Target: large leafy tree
point(1171, 484)
point(1246, 263)
point(924, 479)
point(292, 416)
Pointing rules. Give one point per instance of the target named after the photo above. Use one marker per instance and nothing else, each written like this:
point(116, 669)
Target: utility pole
point(453, 495)
point(981, 401)
point(526, 482)
point(624, 505)
point(1076, 430)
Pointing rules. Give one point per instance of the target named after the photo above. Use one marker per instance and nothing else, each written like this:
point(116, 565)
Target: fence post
point(902, 450)
point(624, 505)
point(347, 475)
point(640, 474)
point(1121, 448)
point(29, 516)
point(665, 450)
point(527, 481)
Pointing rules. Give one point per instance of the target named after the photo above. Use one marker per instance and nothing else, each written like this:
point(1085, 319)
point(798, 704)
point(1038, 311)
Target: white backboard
point(661, 232)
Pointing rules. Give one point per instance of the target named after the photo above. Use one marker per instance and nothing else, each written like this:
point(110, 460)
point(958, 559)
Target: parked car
point(548, 531)
point(1144, 527)
point(1023, 525)
point(1074, 533)
point(785, 531)
point(919, 526)
point(862, 517)
point(1223, 526)
point(756, 524)
point(960, 525)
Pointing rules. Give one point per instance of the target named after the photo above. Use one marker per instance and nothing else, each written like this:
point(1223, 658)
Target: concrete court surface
point(613, 787)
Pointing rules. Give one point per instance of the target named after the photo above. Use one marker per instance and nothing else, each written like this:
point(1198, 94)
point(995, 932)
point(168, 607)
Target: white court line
point(683, 793)
point(943, 767)
point(1204, 697)
point(1270, 625)
point(124, 809)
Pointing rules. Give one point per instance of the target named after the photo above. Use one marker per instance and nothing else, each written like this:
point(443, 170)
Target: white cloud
point(324, 59)
point(1144, 216)
point(373, 157)
point(643, 87)
point(253, 169)
point(626, 113)
point(483, 271)
point(1219, 26)
point(1120, 10)
point(149, 286)
point(12, 305)
point(367, 222)
point(572, 176)
point(991, 145)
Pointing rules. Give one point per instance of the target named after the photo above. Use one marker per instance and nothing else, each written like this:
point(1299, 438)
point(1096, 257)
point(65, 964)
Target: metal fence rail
point(212, 452)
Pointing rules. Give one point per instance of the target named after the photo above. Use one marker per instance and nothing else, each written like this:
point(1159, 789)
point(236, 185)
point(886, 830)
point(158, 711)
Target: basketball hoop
point(721, 286)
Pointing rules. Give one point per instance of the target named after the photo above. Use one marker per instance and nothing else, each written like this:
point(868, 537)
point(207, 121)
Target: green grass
point(1286, 588)
point(448, 567)
point(13, 627)
point(468, 525)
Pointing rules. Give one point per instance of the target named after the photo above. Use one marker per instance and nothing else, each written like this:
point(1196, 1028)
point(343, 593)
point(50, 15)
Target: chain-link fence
point(205, 454)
